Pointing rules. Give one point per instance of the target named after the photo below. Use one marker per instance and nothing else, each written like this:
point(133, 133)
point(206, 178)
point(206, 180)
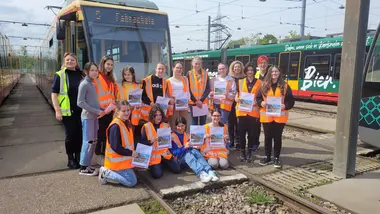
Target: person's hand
point(135, 154)
point(225, 137)
point(151, 104)
point(187, 145)
point(101, 114)
point(171, 102)
point(207, 136)
point(58, 115)
point(237, 99)
point(211, 94)
point(282, 106)
point(263, 104)
point(199, 104)
point(153, 140)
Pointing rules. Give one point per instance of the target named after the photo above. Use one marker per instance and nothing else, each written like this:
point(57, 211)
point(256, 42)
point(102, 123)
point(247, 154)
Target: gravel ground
point(228, 200)
point(295, 133)
point(325, 204)
point(315, 113)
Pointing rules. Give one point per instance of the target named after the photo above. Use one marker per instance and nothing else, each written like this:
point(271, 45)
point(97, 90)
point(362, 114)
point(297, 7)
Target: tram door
point(289, 64)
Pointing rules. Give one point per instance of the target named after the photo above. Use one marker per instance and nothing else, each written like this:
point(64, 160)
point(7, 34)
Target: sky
point(188, 19)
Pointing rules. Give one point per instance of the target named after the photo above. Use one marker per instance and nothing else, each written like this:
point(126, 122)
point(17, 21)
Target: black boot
point(242, 157)
point(71, 161)
point(77, 160)
point(249, 156)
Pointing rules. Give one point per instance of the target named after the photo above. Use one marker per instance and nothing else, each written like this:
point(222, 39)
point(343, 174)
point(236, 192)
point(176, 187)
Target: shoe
point(71, 163)
point(242, 157)
point(256, 147)
point(102, 174)
point(277, 163)
point(265, 161)
point(205, 177)
point(88, 171)
point(213, 175)
point(249, 156)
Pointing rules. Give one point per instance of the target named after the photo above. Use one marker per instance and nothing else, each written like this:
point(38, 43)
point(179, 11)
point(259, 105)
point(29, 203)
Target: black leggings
point(272, 131)
point(104, 122)
point(233, 126)
point(73, 132)
point(251, 126)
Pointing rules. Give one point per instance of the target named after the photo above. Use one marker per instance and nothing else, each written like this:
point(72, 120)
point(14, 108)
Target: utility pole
point(209, 33)
point(355, 32)
point(303, 14)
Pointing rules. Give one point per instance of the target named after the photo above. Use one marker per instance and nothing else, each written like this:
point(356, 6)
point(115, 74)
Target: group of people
point(98, 118)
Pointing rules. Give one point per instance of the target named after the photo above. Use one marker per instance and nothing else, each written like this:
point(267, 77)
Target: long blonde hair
point(101, 68)
point(232, 73)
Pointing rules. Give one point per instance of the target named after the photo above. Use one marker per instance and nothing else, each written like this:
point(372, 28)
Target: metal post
point(208, 33)
point(355, 28)
point(303, 14)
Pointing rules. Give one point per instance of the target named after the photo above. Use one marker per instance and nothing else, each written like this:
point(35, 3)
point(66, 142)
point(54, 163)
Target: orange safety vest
point(122, 94)
point(151, 133)
point(243, 88)
point(198, 87)
point(170, 89)
point(149, 92)
point(209, 152)
point(114, 161)
point(175, 139)
point(105, 91)
point(284, 113)
point(225, 104)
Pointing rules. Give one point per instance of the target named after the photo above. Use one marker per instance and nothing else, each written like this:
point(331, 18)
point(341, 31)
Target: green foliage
point(152, 207)
point(268, 39)
point(260, 197)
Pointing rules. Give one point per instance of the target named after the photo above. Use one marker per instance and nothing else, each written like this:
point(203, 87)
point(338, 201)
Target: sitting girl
point(185, 153)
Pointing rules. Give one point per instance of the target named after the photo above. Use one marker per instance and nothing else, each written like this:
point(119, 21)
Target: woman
point(128, 83)
point(184, 152)
point(153, 86)
point(249, 121)
point(274, 86)
point(105, 88)
point(177, 84)
point(236, 72)
point(149, 137)
point(262, 64)
point(120, 150)
point(224, 104)
point(87, 100)
point(199, 89)
point(64, 95)
point(216, 156)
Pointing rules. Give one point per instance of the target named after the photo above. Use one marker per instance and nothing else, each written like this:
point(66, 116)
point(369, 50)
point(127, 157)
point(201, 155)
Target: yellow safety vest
point(63, 96)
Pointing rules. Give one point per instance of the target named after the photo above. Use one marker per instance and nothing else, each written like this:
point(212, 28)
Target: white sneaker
point(205, 177)
point(213, 175)
point(102, 173)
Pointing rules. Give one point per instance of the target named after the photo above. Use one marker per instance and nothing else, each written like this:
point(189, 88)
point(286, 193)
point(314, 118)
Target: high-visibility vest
point(105, 92)
point(175, 139)
point(225, 104)
point(198, 87)
point(243, 88)
point(114, 161)
point(151, 133)
point(149, 92)
point(122, 94)
point(170, 89)
point(284, 113)
point(209, 152)
point(63, 96)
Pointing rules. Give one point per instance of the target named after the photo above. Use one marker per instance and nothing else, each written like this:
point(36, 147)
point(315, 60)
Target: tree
point(268, 39)
point(293, 35)
point(236, 43)
point(253, 39)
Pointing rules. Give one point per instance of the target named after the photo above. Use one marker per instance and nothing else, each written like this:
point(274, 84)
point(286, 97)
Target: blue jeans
point(195, 161)
point(173, 165)
point(90, 132)
point(198, 120)
point(126, 177)
point(225, 114)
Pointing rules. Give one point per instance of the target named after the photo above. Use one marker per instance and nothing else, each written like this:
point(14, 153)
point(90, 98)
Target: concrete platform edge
point(296, 125)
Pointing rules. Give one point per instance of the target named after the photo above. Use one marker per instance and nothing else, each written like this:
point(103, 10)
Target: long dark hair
point(130, 69)
point(267, 83)
point(101, 68)
point(152, 113)
point(182, 120)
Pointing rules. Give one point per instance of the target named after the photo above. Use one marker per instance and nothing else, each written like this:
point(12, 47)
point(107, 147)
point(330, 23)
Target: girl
point(249, 122)
point(64, 97)
point(262, 64)
point(105, 88)
point(199, 89)
point(128, 83)
point(274, 86)
point(236, 72)
point(177, 84)
point(216, 156)
point(120, 150)
point(87, 100)
point(184, 152)
point(149, 137)
point(225, 104)
point(154, 86)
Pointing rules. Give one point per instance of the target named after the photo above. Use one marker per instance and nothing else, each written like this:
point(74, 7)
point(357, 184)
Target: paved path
point(315, 123)
point(316, 106)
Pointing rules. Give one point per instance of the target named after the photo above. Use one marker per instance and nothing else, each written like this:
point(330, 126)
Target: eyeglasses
point(215, 115)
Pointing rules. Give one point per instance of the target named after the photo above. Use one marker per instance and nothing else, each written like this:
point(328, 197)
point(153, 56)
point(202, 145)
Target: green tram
point(311, 67)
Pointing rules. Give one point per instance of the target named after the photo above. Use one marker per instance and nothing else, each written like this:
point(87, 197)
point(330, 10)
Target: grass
point(260, 197)
point(152, 207)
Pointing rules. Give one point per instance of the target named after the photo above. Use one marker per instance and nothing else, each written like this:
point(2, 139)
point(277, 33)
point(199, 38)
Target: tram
point(311, 67)
point(134, 33)
point(9, 68)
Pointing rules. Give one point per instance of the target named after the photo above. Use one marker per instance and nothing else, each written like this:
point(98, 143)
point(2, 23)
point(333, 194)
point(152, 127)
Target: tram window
point(272, 61)
point(230, 59)
point(373, 73)
point(245, 60)
point(337, 61)
point(321, 64)
point(294, 65)
point(211, 65)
